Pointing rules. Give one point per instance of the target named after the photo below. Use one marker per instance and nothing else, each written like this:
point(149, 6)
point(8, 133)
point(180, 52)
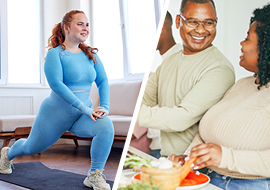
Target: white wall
point(232, 27)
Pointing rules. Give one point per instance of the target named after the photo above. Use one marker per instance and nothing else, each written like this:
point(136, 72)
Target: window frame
point(3, 40)
point(4, 50)
point(127, 67)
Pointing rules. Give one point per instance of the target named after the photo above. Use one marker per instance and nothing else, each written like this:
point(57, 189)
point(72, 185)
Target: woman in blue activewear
point(70, 67)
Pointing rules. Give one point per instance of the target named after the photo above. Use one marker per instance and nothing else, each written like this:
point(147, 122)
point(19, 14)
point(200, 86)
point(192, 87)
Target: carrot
point(186, 169)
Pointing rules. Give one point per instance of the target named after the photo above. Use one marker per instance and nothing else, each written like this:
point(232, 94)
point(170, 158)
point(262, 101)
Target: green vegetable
point(139, 185)
point(136, 161)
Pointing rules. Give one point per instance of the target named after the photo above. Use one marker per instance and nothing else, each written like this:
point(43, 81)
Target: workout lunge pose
point(70, 67)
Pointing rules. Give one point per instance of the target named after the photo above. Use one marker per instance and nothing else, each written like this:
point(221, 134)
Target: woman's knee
point(106, 125)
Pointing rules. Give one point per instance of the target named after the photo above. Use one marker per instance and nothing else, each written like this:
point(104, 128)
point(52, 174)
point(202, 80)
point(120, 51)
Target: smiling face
point(78, 30)
point(250, 52)
point(196, 39)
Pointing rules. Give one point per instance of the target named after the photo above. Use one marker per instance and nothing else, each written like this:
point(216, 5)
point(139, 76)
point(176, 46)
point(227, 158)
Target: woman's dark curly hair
point(262, 16)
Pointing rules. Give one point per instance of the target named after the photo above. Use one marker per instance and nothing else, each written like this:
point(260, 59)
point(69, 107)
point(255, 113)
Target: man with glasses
point(188, 82)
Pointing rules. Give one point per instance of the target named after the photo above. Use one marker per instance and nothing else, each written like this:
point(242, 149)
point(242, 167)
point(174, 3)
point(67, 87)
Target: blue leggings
point(56, 117)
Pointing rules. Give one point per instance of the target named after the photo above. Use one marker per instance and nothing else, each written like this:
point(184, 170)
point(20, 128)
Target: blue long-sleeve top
point(67, 72)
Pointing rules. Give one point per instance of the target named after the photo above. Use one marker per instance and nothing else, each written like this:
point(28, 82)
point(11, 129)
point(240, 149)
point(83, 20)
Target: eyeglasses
point(194, 23)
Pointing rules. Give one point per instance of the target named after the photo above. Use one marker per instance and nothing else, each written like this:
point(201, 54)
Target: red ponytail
point(58, 36)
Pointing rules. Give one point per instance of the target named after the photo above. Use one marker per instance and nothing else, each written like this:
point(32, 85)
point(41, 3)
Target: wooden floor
point(69, 158)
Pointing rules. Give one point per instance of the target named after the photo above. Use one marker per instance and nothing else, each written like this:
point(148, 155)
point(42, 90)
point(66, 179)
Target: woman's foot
point(96, 181)
point(5, 163)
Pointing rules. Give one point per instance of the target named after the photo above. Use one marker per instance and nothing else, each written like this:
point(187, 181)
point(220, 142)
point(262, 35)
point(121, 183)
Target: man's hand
point(177, 159)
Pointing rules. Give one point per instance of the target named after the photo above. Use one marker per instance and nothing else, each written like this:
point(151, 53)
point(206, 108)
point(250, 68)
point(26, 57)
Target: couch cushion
point(11, 122)
point(121, 124)
point(94, 95)
point(123, 97)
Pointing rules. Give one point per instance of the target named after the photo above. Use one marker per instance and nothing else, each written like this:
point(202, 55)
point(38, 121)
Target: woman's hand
point(208, 154)
point(177, 159)
point(97, 113)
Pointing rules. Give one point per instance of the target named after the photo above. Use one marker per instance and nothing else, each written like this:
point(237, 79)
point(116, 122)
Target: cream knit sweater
point(177, 95)
point(240, 124)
